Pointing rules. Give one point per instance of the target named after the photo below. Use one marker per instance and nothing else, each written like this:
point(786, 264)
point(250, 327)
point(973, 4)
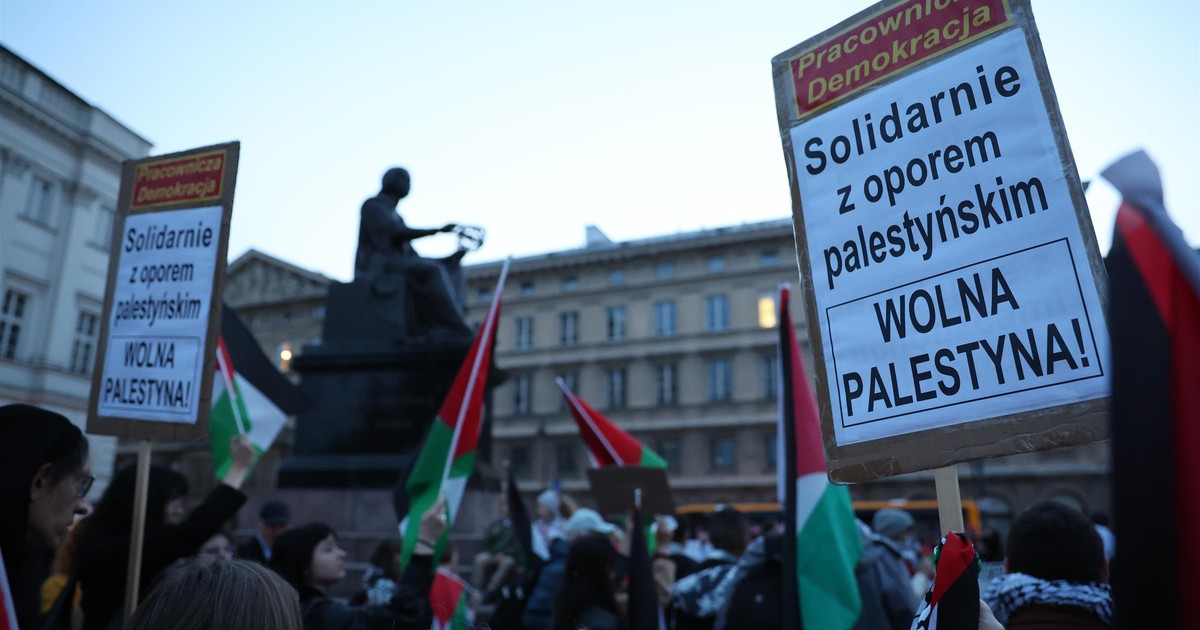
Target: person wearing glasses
point(45, 473)
point(171, 533)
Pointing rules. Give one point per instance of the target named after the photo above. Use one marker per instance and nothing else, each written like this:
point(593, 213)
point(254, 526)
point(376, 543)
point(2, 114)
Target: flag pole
point(949, 499)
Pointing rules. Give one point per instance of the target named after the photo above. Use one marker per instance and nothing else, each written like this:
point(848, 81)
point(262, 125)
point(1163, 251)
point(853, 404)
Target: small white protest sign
point(153, 364)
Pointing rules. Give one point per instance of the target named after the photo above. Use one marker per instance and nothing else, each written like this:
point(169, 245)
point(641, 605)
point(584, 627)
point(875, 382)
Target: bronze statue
point(397, 274)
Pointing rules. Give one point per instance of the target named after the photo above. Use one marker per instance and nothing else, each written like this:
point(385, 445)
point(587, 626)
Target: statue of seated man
point(386, 257)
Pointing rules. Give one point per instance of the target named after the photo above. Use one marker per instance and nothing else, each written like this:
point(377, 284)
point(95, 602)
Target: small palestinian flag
point(1154, 284)
point(249, 395)
point(952, 602)
point(447, 457)
point(450, 597)
point(607, 444)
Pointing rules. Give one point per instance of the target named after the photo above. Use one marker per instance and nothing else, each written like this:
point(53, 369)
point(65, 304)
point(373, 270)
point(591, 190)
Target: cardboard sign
point(154, 367)
point(613, 489)
point(954, 288)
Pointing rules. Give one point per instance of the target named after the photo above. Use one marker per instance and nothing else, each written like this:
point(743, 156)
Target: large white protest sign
point(153, 365)
point(951, 275)
point(947, 260)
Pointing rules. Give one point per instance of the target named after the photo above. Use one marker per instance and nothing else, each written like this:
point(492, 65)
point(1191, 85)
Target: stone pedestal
point(377, 391)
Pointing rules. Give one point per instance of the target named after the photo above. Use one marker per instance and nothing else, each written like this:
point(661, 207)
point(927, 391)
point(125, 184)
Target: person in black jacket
point(45, 474)
point(102, 553)
point(310, 559)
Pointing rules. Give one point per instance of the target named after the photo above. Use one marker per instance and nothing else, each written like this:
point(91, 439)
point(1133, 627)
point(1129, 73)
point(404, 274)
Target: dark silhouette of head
point(114, 512)
point(727, 531)
point(396, 183)
point(1054, 542)
point(587, 582)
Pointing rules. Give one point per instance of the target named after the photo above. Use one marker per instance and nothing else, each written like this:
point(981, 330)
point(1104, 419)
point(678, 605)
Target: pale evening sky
point(535, 119)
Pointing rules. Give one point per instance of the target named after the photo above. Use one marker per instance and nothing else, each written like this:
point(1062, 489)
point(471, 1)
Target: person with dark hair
point(45, 474)
point(697, 598)
point(311, 560)
point(1057, 575)
point(211, 592)
point(586, 599)
point(273, 520)
point(102, 552)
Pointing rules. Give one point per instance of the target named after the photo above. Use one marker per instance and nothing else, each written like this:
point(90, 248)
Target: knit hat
point(275, 512)
point(293, 550)
point(890, 522)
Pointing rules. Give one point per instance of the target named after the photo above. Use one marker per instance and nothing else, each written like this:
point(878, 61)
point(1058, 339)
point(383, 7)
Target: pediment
point(256, 278)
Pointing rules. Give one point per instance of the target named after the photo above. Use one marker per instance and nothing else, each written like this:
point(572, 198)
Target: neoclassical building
point(60, 164)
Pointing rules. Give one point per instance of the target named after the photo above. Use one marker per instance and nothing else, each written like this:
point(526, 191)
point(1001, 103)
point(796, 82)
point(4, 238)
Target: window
point(571, 283)
point(615, 323)
point(483, 296)
point(772, 454)
point(518, 458)
point(102, 236)
point(318, 314)
point(720, 380)
point(617, 277)
point(614, 388)
point(572, 381)
point(568, 328)
point(716, 264)
point(39, 206)
point(665, 271)
point(670, 450)
point(285, 356)
point(770, 374)
point(667, 383)
point(86, 329)
point(521, 391)
point(567, 457)
point(769, 258)
point(526, 288)
point(664, 318)
point(524, 333)
point(286, 317)
point(767, 311)
point(724, 454)
point(716, 312)
point(12, 318)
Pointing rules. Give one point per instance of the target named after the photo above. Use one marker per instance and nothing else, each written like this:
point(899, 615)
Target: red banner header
point(179, 180)
point(886, 43)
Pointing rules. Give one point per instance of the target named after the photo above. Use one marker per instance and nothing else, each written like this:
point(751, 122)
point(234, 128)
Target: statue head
point(396, 183)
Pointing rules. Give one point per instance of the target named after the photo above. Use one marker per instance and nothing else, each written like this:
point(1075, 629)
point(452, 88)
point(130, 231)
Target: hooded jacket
point(30, 437)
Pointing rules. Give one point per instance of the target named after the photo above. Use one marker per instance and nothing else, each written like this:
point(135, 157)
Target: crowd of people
point(66, 571)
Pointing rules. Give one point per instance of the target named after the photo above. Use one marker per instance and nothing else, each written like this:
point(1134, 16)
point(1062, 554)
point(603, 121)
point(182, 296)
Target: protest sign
point(162, 303)
point(952, 282)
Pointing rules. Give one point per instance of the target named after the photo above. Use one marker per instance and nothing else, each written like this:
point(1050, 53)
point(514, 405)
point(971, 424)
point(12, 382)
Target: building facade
point(60, 166)
point(673, 338)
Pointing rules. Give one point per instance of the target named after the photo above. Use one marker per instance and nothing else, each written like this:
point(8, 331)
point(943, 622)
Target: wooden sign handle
point(133, 577)
point(949, 500)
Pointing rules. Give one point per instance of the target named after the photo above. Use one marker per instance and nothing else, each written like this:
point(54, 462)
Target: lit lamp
point(285, 356)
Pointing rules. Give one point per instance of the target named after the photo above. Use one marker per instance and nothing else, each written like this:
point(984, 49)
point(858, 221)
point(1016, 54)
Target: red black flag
point(519, 516)
point(1154, 284)
point(952, 602)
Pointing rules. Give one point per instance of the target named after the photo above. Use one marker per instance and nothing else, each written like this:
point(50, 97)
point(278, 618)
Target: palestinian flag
point(449, 597)
point(952, 602)
point(607, 444)
point(1154, 284)
point(8, 608)
point(447, 458)
point(824, 543)
point(249, 395)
